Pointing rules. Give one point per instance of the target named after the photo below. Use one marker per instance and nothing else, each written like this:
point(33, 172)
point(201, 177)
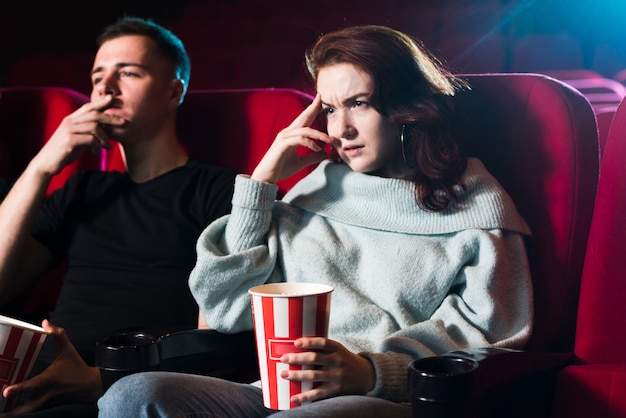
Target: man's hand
point(340, 372)
point(82, 130)
point(67, 380)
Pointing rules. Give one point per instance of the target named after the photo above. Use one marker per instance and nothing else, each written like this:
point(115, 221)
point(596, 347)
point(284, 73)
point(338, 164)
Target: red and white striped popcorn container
point(284, 312)
point(20, 344)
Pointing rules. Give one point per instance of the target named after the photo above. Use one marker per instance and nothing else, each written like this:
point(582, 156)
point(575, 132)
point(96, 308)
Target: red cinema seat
point(595, 385)
point(538, 137)
point(601, 92)
point(604, 117)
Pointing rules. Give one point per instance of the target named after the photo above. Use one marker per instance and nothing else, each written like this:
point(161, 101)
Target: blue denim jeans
point(162, 394)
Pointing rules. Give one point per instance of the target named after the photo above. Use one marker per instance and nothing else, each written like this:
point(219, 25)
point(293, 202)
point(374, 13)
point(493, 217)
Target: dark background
point(260, 43)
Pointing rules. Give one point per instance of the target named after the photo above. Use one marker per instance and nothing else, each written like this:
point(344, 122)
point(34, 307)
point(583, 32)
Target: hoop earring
point(403, 146)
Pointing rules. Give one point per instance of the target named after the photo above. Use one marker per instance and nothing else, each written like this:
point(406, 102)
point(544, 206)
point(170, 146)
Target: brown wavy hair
point(411, 88)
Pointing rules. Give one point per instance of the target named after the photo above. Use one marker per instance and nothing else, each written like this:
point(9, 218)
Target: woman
point(424, 249)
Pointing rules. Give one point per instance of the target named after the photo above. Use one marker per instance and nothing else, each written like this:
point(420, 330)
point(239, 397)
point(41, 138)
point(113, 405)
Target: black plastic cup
point(439, 387)
point(124, 354)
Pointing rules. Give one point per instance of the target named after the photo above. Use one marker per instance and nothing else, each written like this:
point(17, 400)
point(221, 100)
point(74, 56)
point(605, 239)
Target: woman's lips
point(353, 150)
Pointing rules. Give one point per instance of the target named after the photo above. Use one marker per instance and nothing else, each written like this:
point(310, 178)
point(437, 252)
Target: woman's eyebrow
point(349, 99)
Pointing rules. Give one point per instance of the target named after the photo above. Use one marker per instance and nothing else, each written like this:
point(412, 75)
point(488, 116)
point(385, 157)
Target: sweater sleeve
point(235, 253)
point(489, 304)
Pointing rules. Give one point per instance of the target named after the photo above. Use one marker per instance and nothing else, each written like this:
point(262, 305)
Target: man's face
point(142, 83)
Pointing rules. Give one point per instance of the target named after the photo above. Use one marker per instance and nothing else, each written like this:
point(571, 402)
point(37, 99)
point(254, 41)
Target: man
point(128, 238)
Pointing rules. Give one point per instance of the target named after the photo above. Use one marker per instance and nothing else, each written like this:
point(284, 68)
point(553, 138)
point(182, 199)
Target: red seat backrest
point(234, 128)
point(538, 137)
point(600, 336)
point(28, 118)
point(604, 118)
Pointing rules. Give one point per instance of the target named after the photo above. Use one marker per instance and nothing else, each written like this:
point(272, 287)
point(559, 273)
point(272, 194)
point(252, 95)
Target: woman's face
point(362, 137)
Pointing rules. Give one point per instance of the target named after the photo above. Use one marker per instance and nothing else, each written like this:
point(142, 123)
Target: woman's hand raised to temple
point(282, 160)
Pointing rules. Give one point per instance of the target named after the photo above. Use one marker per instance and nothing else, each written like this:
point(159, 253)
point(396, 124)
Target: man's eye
point(96, 80)
point(328, 110)
point(128, 74)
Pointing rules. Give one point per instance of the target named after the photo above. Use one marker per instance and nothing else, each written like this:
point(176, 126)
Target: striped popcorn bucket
point(20, 343)
point(284, 312)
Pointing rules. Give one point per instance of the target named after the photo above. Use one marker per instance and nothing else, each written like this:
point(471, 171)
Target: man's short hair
point(168, 44)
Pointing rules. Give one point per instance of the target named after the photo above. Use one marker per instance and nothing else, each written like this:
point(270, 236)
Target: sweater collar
point(335, 191)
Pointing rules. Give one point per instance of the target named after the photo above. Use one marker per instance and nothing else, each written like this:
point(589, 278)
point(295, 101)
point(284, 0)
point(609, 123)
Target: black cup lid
point(127, 351)
point(441, 378)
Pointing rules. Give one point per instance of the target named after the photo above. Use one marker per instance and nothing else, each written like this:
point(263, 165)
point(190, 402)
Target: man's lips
point(113, 106)
point(113, 110)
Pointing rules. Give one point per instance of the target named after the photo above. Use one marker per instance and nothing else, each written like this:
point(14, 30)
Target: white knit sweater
point(408, 282)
